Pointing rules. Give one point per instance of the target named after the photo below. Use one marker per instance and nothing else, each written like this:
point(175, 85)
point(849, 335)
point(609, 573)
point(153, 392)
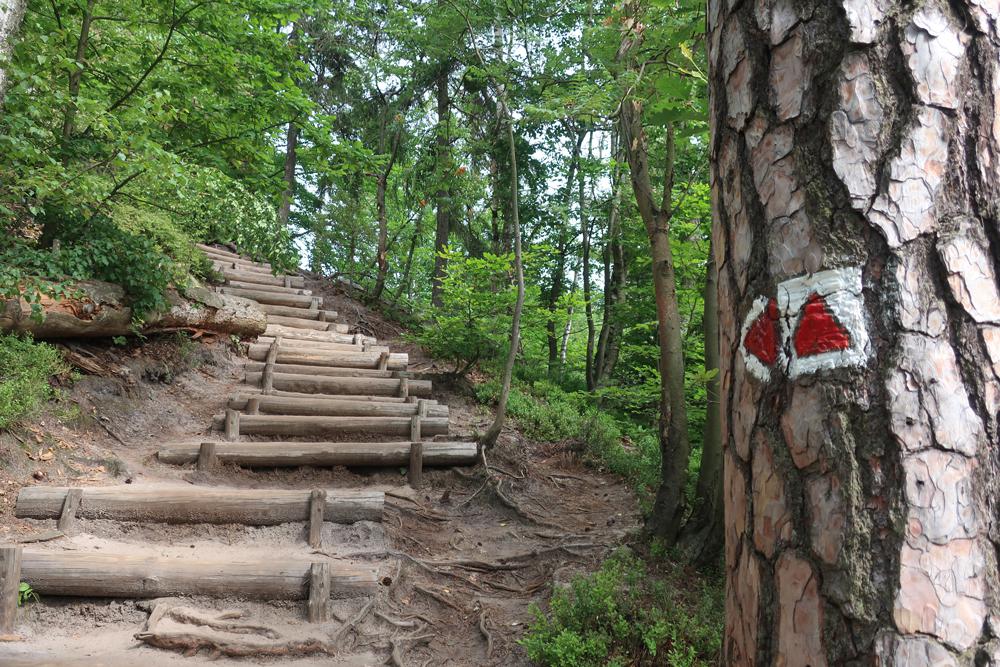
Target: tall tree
point(656, 210)
point(857, 183)
point(444, 163)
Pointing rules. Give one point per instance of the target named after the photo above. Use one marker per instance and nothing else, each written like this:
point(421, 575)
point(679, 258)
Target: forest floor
point(465, 558)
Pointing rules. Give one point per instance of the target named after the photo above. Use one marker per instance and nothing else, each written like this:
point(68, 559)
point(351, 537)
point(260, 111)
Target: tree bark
point(11, 13)
point(382, 260)
point(675, 447)
point(856, 190)
point(443, 194)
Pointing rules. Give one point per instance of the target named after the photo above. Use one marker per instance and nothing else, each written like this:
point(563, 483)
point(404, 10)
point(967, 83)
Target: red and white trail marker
point(815, 322)
point(824, 321)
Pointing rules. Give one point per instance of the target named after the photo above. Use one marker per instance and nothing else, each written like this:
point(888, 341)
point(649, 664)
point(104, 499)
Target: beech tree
point(856, 159)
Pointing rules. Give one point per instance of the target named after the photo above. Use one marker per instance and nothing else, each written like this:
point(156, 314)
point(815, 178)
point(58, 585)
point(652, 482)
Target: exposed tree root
point(220, 635)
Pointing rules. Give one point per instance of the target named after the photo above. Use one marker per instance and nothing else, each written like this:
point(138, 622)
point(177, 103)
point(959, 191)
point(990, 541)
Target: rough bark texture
point(443, 196)
point(11, 13)
point(99, 310)
point(856, 165)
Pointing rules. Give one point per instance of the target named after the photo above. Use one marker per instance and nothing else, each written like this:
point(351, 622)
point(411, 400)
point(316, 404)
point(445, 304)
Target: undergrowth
point(544, 412)
point(630, 613)
point(25, 370)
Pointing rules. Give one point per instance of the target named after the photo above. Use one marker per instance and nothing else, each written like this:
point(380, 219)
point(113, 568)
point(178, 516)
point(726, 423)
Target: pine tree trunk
point(856, 164)
point(11, 13)
point(291, 161)
point(585, 260)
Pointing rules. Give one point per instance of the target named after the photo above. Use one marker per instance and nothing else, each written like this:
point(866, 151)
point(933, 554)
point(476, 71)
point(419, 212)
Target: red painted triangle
point(818, 330)
point(762, 337)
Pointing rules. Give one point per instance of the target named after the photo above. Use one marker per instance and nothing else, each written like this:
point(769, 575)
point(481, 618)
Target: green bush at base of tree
point(26, 368)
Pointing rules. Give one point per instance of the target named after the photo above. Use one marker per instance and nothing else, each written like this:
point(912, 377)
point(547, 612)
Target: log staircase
point(307, 379)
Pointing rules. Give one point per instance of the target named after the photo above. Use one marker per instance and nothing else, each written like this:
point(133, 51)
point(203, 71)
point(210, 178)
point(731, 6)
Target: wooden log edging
point(339, 397)
point(324, 454)
point(314, 384)
point(295, 311)
point(119, 576)
point(298, 425)
point(187, 504)
point(10, 581)
point(346, 345)
point(334, 407)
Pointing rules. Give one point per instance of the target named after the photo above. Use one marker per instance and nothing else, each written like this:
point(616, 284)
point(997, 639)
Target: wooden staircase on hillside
point(306, 378)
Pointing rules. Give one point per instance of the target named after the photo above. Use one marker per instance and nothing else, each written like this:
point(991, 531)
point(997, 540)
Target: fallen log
point(299, 323)
point(324, 454)
point(345, 385)
point(296, 425)
point(187, 504)
point(263, 278)
point(345, 358)
point(274, 298)
point(334, 371)
point(331, 407)
point(111, 575)
point(289, 333)
point(99, 309)
point(277, 289)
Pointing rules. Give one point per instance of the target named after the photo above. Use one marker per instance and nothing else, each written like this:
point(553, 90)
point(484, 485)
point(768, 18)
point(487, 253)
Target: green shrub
point(25, 370)
point(629, 614)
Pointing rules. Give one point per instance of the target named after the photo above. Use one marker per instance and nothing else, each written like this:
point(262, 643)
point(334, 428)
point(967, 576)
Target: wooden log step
point(255, 391)
point(345, 358)
point(222, 265)
point(297, 425)
point(324, 454)
point(238, 262)
point(273, 298)
point(221, 251)
point(291, 334)
point(189, 504)
point(295, 311)
point(345, 385)
point(332, 407)
point(333, 371)
point(277, 289)
point(320, 347)
point(262, 278)
point(119, 576)
point(299, 323)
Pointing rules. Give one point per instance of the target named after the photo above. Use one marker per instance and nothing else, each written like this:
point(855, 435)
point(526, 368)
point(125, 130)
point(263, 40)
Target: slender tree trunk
point(588, 306)
point(675, 447)
point(490, 438)
point(291, 162)
point(381, 258)
point(856, 189)
point(562, 249)
point(703, 535)
point(405, 280)
point(615, 280)
point(443, 193)
point(76, 75)
point(11, 13)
